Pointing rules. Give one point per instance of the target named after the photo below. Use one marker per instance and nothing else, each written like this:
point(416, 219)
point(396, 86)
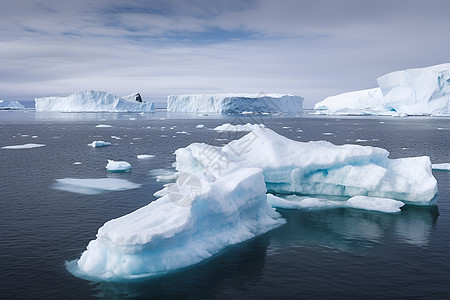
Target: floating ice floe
point(103, 126)
point(117, 166)
point(96, 144)
point(144, 156)
point(360, 202)
point(441, 167)
point(180, 229)
point(238, 127)
point(91, 186)
point(92, 101)
point(24, 146)
point(10, 105)
point(422, 91)
point(316, 168)
point(235, 103)
point(200, 126)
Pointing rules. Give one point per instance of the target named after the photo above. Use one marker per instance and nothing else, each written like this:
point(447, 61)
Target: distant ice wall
point(235, 103)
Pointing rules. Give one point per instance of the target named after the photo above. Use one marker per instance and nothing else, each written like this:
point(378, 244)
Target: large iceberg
point(175, 232)
point(316, 168)
point(235, 103)
point(422, 91)
point(93, 101)
point(10, 104)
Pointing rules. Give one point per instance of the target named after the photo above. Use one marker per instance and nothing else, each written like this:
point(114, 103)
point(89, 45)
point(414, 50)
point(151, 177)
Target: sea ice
point(96, 144)
point(91, 101)
point(103, 126)
point(235, 103)
point(144, 156)
point(10, 104)
point(421, 91)
point(118, 166)
point(91, 186)
point(25, 146)
point(200, 126)
point(360, 202)
point(442, 167)
point(316, 168)
point(238, 127)
point(180, 229)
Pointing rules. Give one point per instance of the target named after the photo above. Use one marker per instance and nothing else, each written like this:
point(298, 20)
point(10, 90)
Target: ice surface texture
point(316, 168)
point(235, 103)
point(9, 104)
point(92, 101)
point(175, 232)
point(422, 91)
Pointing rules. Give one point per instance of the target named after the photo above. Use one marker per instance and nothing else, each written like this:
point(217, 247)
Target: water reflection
point(235, 268)
point(355, 231)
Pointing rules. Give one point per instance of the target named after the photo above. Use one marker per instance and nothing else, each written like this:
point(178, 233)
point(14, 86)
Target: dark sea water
point(320, 254)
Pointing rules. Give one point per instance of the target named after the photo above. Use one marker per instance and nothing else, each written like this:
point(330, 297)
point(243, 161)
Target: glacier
point(420, 91)
point(235, 103)
point(93, 101)
point(175, 232)
point(10, 104)
point(316, 168)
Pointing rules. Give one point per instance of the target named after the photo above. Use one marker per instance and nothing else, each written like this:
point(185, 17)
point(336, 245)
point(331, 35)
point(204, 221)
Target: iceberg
point(96, 144)
point(239, 127)
point(235, 103)
point(183, 228)
point(316, 168)
point(92, 186)
point(145, 156)
point(421, 91)
point(10, 104)
point(118, 166)
point(92, 101)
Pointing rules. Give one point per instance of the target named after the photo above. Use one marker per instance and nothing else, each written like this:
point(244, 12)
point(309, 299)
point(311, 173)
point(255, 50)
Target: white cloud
point(313, 49)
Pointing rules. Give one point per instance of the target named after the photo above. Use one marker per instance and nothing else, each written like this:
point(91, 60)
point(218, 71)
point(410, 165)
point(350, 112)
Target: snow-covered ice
point(421, 91)
point(174, 232)
point(238, 127)
point(24, 146)
point(316, 168)
point(96, 144)
point(91, 101)
point(442, 166)
point(91, 186)
point(117, 166)
point(10, 104)
point(144, 156)
point(235, 103)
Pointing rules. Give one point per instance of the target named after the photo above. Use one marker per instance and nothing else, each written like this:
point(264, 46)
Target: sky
point(313, 49)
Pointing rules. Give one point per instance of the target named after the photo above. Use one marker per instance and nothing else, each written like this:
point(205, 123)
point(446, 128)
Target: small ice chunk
point(327, 133)
point(118, 166)
point(115, 137)
point(441, 167)
point(373, 203)
point(77, 163)
point(96, 144)
point(91, 186)
point(144, 156)
point(164, 175)
point(103, 126)
point(239, 127)
point(200, 126)
point(25, 146)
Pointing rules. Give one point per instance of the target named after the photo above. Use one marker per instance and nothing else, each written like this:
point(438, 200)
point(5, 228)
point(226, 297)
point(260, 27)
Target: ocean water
point(321, 254)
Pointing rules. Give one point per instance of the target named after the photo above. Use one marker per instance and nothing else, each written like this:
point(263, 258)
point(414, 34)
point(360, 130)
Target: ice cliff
point(10, 104)
point(235, 103)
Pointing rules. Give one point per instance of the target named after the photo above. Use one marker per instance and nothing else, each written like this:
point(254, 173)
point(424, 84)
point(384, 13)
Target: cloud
point(311, 48)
